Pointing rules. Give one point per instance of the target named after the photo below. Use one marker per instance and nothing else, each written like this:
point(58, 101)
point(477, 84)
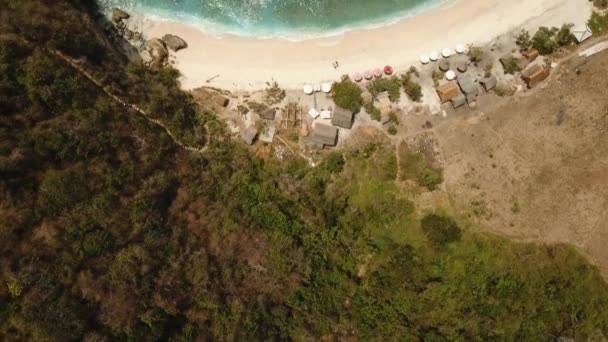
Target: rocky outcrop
point(174, 42)
point(119, 15)
point(157, 51)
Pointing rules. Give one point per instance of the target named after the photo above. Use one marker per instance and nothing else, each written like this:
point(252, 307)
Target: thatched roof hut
point(535, 74)
point(342, 118)
point(468, 86)
point(458, 100)
point(531, 55)
point(488, 83)
point(448, 91)
point(324, 135)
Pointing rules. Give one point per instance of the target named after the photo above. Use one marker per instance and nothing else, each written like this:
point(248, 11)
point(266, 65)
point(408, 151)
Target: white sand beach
point(246, 63)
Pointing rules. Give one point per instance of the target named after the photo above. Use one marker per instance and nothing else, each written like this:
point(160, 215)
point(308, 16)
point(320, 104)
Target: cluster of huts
point(325, 134)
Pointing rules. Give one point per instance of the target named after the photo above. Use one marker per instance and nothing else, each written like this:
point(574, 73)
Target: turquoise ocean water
point(292, 19)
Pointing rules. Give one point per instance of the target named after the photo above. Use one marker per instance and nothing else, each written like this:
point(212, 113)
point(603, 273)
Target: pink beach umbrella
point(378, 72)
point(357, 77)
point(388, 70)
point(368, 75)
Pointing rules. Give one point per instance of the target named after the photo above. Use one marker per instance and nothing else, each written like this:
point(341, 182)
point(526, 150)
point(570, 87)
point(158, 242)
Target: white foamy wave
point(246, 20)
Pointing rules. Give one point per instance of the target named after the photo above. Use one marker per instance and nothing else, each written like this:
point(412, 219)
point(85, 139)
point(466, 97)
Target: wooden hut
point(458, 100)
point(535, 74)
point(342, 118)
point(468, 86)
point(531, 55)
point(324, 135)
point(448, 91)
point(488, 83)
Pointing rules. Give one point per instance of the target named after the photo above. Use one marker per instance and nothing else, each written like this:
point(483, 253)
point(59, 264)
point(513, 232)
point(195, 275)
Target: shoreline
point(244, 63)
point(222, 31)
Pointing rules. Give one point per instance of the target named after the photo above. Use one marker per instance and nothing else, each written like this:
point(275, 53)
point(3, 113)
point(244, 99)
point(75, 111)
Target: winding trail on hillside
point(136, 108)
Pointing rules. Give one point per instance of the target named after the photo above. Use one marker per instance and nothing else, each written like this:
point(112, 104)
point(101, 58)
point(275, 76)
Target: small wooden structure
point(531, 55)
point(342, 118)
point(448, 91)
point(535, 74)
point(292, 115)
point(468, 86)
point(488, 83)
point(324, 135)
point(458, 100)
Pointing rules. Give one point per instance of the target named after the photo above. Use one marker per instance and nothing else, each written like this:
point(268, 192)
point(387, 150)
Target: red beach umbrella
point(378, 73)
point(368, 75)
point(388, 70)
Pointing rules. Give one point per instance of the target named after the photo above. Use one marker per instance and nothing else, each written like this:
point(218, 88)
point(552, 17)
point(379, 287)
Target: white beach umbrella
point(460, 48)
point(326, 87)
point(450, 75)
point(446, 53)
point(433, 56)
point(424, 59)
point(308, 89)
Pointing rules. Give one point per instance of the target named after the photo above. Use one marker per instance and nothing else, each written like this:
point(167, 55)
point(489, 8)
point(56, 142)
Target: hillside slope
point(110, 230)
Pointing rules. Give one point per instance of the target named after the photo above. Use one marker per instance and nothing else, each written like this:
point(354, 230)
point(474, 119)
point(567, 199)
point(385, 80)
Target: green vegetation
point(523, 40)
point(111, 231)
point(511, 66)
point(488, 69)
point(347, 94)
point(273, 93)
point(411, 87)
point(388, 84)
point(476, 53)
point(373, 112)
point(440, 230)
point(419, 168)
point(548, 40)
point(598, 23)
point(392, 130)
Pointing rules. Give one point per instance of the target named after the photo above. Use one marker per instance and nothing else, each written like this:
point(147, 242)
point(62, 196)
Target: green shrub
point(373, 112)
point(440, 230)
point(598, 23)
point(392, 130)
point(347, 94)
point(523, 40)
point(334, 162)
point(390, 85)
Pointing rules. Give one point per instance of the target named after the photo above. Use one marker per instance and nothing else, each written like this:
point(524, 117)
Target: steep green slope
point(109, 230)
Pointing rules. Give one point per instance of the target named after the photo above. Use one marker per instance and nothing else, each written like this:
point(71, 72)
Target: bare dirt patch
point(535, 167)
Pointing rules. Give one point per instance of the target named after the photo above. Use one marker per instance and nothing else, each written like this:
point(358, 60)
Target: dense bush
point(347, 94)
point(110, 231)
point(548, 40)
point(390, 85)
point(440, 230)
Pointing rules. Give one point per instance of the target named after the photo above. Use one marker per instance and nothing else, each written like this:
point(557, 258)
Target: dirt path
point(90, 77)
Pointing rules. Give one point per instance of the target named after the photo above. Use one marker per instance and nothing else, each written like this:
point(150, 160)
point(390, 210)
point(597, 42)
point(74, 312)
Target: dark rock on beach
point(174, 42)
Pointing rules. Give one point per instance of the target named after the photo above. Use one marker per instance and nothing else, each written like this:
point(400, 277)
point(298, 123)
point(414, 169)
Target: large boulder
point(174, 42)
point(158, 51)
point(119, 15)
